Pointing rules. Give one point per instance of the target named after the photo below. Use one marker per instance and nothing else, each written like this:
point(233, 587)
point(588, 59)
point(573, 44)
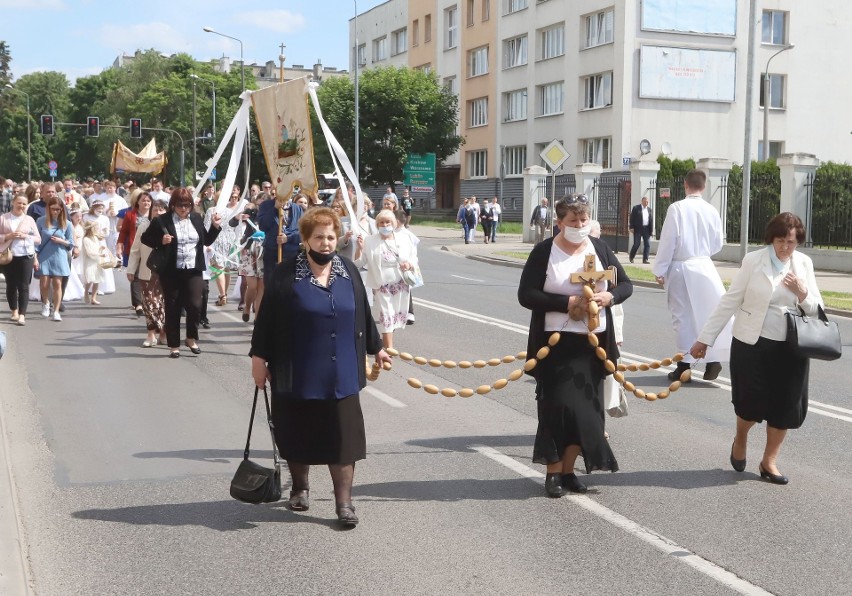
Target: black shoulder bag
point(158, 258)
point(813, 337)
point(252, 482)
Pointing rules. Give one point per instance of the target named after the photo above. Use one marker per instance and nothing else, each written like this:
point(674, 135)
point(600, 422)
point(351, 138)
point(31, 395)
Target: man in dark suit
point(642, 225)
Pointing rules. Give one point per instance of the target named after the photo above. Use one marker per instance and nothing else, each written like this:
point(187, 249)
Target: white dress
point(107, 286)
point(90, 253)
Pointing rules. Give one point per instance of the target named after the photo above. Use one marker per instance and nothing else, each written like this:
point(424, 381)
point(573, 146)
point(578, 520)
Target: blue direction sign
point(213, 174)
point(53, 173)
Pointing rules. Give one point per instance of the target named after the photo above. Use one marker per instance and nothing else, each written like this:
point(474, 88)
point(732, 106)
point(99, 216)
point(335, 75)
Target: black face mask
point(320, 258)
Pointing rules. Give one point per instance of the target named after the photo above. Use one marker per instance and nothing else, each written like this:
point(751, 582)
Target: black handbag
point(813, 337)
point(252, 482)
point(157, 260)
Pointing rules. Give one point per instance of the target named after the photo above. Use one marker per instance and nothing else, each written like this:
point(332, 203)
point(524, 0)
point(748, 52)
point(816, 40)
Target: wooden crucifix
point(589, 277)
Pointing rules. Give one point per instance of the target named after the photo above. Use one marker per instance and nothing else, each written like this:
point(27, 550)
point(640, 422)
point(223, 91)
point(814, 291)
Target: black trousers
point(205, 296)
point(19, 274)
point(643, 233)
point(182, 289)
point(136, 292)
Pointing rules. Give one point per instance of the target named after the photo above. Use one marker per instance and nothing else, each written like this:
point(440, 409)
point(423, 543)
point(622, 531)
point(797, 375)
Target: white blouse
point(560, 266)
point(775, 321)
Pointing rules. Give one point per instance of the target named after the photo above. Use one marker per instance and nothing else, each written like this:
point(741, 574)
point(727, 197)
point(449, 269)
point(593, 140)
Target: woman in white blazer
point(769, 382)
point(386, 255)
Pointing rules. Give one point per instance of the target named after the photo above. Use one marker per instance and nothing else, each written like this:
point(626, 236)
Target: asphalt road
point(121, 460)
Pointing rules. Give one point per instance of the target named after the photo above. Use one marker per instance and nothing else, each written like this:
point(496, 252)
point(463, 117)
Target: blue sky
point(83, 37)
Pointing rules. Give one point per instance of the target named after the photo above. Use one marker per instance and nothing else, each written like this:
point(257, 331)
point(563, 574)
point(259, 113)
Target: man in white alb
point(692, 233)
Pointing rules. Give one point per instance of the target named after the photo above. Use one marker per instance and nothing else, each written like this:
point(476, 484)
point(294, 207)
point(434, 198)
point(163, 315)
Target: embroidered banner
point(284, 127)
point(147, 160)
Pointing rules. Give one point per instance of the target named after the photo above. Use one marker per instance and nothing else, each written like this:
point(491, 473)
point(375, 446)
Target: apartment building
point(601, 76)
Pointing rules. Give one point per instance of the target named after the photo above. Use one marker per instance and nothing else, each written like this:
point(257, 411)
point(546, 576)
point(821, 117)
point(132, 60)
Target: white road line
point(720, 383)
point(228, 315)
point(382, 396)
point(467, 278)
point(681, 554)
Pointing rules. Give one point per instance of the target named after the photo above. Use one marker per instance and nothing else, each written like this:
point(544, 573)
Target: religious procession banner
point(284, 127)
point(147, 160)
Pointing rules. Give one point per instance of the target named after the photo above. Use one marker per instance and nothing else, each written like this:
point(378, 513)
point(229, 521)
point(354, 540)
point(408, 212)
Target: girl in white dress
point(96, 214)
point(93, 249)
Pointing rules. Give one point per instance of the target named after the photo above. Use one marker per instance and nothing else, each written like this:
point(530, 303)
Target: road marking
point(681, 554)
point(467, 278)
point(382, 396)
point(722, 383)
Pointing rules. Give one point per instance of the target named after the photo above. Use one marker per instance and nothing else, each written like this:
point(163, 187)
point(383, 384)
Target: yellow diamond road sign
point(554, 155)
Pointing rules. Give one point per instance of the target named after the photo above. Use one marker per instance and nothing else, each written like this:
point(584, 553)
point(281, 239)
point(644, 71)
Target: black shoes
point(553, 485)
point(174, 354)
point(346, 515)
point(299, 500)
point(773, 478)
point(737, 464)
point(646, 262)
point(205, 323)
point(194, 348)
point(712, 370)
point(676, 373)
point(571, 483)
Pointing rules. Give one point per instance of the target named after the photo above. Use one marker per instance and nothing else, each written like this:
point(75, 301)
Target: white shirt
point(118, 203)
point(186, 238)
point(560, 266)
point(775, 321)
point(159, 194)
point(496, 211)
point(21, 247)
point(692, 229)
point(646, 220)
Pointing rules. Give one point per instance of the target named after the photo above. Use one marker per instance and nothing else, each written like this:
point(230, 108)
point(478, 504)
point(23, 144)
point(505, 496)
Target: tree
point(401, 111)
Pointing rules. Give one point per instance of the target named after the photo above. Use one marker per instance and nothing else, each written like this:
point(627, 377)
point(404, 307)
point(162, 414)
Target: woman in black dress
point(570, 412)
point(310, 341)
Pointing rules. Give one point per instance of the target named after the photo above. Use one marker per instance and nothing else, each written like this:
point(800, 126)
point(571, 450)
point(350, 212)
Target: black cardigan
point(163, 224)
point(531, 295)
point(271, 337)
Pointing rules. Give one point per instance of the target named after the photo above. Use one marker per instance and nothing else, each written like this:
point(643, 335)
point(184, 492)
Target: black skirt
point(313, 431)
point(570, 411)
point(769, 382)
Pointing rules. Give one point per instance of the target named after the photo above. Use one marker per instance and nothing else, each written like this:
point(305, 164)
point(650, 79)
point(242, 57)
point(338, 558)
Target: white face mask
point(386, 230)
point(576, 235)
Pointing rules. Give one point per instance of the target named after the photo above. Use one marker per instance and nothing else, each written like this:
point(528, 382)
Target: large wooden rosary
point(588, 278)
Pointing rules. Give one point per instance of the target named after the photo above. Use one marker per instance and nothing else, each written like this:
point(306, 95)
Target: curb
point(637, 283)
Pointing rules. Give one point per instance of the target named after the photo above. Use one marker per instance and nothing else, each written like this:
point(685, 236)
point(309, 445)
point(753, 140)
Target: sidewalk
point(830, 281)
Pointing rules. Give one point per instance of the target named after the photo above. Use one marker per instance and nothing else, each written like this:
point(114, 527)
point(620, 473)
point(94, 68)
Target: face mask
point(386, 230)
point(320, 258)
point(576, 235)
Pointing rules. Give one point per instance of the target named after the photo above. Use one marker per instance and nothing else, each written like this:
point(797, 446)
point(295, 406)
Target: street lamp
point(765, 155)
point(29, 133)
point(213, 84)
point(357, 113)
point(243, 82)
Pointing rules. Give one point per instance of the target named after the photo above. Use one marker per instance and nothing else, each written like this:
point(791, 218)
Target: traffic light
point(47, 125)
point(93, 126)
point(136, 128)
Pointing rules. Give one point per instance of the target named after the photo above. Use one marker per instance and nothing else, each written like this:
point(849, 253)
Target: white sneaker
point(57, 316)
point(45, 310)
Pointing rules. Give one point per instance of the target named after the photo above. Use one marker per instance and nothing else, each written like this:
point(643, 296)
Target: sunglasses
point(574, 199)
point(183, 206)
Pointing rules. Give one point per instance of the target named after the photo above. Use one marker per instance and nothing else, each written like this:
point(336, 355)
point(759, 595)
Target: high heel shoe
point(193, 348)
point(553, 485)
point(737, 464)
point(773, 478)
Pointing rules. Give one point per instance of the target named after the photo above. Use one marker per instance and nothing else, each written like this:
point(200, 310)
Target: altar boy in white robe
point(692, 233)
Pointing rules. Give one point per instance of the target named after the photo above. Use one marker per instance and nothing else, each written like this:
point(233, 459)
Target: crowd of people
point(349, 278)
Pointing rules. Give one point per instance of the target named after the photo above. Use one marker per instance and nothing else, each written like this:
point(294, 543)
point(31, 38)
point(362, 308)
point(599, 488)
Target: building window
point(550, 98)
point(451, 84)
point(597, 91)
point(777, 89)
point(774, 27)
point(515, 51)
point(470, 13)
point(515, 160)
point(424, 68)
point(599, 28)
point(776, 150)
point(515, 105)
point(514, 6)
point(597, 151)
point(399, 41)
point(477, 164)
point(362, 54)
point(415, 33)
point(451, 20)
point(477, 110)
point(380, 49)
point(552, 42)
point(486, 10)
point(477, 62)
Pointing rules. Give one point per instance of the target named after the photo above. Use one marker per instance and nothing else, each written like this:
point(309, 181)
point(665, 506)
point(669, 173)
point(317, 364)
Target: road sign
point(213, 174)
point(422, 189)
point(419, 170)
point(554, 155)
point(52, 165)
point(665, 193)
point(53, 173)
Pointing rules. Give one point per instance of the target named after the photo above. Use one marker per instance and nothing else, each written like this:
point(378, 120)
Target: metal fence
point(764, 204)
point(829, 196)
point(664, 192)
point(612, 196)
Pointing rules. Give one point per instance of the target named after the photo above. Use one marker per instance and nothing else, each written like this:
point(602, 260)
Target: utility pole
point(749, 108)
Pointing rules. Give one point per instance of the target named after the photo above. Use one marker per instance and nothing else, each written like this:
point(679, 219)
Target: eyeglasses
point(574, 199)
point(183, 206)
